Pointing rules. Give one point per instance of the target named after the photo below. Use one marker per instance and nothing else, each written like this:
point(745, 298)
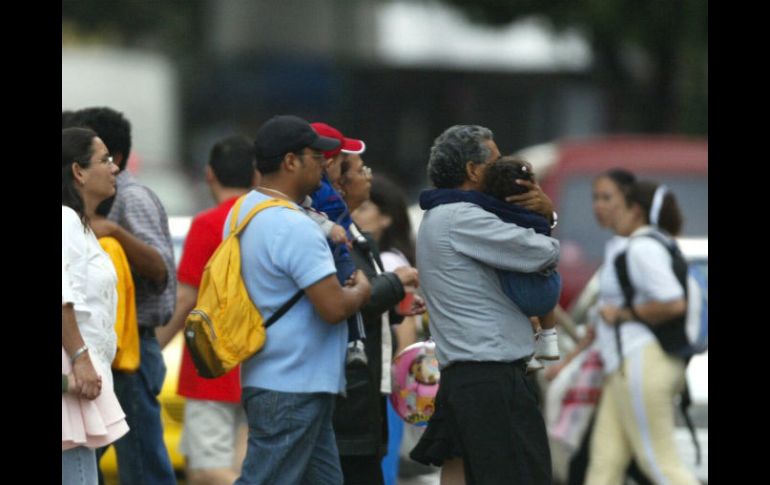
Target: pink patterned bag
point(573, 396)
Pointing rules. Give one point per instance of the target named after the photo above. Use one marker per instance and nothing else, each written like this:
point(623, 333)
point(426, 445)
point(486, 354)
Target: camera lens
point(361, 243)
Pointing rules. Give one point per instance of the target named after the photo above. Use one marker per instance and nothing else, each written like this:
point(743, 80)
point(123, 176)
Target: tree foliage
point(173, 26)
point(651, 56)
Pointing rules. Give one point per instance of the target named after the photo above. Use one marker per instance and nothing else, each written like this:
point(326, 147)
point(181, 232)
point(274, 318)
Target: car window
point(178, 243)
point(178, 226)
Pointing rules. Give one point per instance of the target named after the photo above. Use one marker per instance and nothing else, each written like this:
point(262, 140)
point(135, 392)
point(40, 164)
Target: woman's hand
point(85, 375)
point(416, 306)
point(73, 386)
point(408, 276)
point(610, 314)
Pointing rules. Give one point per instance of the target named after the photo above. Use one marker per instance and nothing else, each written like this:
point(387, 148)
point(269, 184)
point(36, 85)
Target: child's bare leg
point(548, 321)
point(535, 322)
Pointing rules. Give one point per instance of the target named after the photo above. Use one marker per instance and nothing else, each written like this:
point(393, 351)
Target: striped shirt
point(139, 211)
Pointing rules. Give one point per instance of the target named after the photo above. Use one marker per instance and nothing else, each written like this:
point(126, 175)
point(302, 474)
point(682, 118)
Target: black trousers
point(361, 470)
point(487, 413)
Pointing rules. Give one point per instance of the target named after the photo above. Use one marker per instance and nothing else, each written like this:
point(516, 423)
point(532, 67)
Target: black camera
point(361, 244)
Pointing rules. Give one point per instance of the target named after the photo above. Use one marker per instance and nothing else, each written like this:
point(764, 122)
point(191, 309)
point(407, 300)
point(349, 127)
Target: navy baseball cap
point(288, 133)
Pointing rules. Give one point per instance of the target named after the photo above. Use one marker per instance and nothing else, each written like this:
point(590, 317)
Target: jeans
point(534, 293)
point(142, 454)
point(291, 439)
point(78, 466)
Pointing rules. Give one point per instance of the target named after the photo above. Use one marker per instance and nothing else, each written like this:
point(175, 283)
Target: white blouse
point(89, 282)
point(651, 274)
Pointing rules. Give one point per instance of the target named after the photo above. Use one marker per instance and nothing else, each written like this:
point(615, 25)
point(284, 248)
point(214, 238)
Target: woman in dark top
point(360, 423)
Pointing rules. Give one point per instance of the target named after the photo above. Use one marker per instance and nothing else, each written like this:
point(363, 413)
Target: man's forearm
point(144, 259)
point(186, 297)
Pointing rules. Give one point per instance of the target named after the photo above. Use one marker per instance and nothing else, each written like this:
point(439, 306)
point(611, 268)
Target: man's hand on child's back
point(533, 199)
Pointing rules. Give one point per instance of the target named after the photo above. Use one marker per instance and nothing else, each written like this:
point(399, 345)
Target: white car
point(696, 252)
point(178, 227)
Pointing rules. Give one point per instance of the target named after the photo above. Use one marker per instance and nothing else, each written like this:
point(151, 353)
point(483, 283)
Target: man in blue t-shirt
point(290, 386)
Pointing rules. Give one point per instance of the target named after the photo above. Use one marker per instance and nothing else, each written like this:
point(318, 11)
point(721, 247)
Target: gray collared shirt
point(459, 248)
point(139, 211)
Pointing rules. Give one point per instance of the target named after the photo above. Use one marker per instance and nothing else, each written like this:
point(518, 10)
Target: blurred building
point(393, 73)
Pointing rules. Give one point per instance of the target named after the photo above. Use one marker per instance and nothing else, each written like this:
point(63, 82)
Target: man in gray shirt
point(487, 424)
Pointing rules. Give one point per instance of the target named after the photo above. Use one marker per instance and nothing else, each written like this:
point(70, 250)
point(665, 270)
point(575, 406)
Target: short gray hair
point(454, 148)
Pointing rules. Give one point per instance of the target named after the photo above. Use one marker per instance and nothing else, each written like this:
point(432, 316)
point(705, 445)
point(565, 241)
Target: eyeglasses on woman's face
point(108, 160)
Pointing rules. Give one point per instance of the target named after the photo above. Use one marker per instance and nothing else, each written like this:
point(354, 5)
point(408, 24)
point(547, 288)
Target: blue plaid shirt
point(139, 211)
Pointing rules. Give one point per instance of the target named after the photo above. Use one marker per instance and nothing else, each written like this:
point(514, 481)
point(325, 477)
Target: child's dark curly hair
point(500, 177)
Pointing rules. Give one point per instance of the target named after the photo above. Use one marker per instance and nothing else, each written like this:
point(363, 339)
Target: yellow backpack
point(225, 327)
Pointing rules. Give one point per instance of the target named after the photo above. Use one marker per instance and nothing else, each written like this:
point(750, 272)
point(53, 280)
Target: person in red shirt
point(214, 432)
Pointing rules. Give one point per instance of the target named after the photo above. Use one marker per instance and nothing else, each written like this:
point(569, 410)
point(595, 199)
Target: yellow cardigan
point(126, 327)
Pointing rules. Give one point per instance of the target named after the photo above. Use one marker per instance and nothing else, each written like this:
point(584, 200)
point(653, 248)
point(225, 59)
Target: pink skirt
point(90, 423)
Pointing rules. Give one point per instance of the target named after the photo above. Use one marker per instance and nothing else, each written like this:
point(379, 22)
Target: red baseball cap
point(348, 145)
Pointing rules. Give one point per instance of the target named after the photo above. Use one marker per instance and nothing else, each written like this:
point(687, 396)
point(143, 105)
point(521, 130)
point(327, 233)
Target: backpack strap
point(235, 212)
point(678, 261)
point(236, 228)
point(621, 271)
point(285, 308)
